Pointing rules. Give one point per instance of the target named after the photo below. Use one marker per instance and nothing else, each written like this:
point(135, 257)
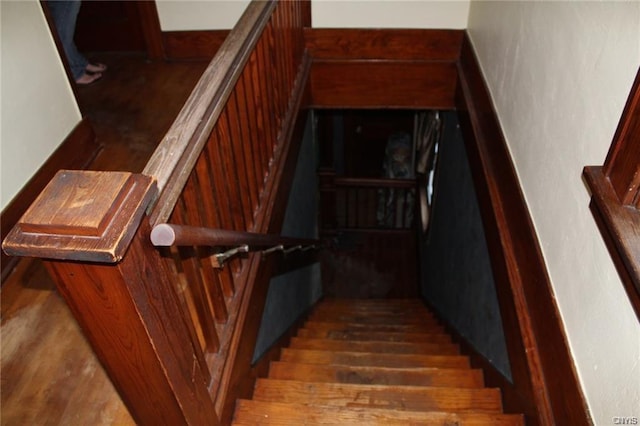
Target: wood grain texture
point(362, 359)
point(370, 68)
point(131, 316)
point(338, 389)
point(383, 84)
point(409, 398)
point(75, 152)
point(183, 143)
point(264, 413)
point(197, 45)
point(88, 215)
point(541, 363)
point(384, 44)
point(434, 377)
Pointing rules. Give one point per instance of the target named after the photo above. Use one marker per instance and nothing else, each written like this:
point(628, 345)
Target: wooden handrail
point(177, 153)
point(374, 182)
point(174, 334)
point(166, 234)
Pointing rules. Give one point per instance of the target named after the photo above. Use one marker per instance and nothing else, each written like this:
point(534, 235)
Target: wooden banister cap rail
point(83, 215)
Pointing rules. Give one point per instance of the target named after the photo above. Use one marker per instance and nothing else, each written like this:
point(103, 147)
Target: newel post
point(91, 229)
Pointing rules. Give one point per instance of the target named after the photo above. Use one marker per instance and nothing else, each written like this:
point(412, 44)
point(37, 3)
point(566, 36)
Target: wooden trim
point(383, 84)
point(541, 362)
point(387, 44)
point(75, 152)
point(615, 196)
point(620, 227)
point(623, 160)
point(151, 30)
point(381, 69)
point(193, 45)
point(181, 146)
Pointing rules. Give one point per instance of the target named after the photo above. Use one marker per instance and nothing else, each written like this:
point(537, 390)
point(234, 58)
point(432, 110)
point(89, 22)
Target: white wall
point(37, 110)
point(559, 74)
point(389, 14)
point(186, 15)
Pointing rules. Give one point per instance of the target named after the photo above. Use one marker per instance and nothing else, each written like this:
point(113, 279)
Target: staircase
point(374, 362)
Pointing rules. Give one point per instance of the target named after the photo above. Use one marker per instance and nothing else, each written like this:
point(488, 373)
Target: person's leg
point(64, 15)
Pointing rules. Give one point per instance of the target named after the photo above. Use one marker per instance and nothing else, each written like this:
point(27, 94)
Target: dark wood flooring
point(49, 375)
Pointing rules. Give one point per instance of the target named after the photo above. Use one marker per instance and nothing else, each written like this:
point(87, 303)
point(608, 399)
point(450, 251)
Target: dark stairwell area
point(434, 247)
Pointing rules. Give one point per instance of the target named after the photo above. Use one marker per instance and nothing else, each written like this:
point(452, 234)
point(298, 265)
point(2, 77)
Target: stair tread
point(414, 398)
point(363, 318)
point(381, 336)
point(417, 376)
point(258, 412)
point(311, 356)
point(347, 326)
point(378, 347)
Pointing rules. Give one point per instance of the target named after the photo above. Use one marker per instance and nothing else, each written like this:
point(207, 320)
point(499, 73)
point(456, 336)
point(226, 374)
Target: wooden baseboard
point(75, 152)
point(541, 363)
point(192, 45)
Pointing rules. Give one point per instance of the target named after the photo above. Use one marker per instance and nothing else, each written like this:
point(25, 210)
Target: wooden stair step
point(401, 328)
point(411, 398)
point(434, 377)
point(375, 336)
point(376, 347)
point(307, 356)
point(387, 310)
point(374, 319)
point(383, 303)
point(264, 413)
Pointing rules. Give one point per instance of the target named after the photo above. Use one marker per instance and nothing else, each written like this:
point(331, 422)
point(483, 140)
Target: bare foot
point(95, 68)
point(86, 79)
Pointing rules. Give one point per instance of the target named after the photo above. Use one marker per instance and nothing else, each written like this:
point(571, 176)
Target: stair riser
point(375, 336)
point(373, 360)
point(381, 397)
point(375, 347)
point(380, 376)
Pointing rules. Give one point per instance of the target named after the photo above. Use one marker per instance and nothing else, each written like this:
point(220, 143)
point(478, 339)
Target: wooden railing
point(370, 203)
point(174, 333)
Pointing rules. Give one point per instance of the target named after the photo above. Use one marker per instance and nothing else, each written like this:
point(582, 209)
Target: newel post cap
point(83, 215)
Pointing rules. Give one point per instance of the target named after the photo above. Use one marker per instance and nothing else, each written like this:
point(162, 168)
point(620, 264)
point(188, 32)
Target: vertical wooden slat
point(189, 311)
point(246, 127)
point(263, 127)
point(253, 100)
point(268, 86)
point(231, 126)
point(230, 173)
point(212, 206)
point(193, 196)
point(191, 266)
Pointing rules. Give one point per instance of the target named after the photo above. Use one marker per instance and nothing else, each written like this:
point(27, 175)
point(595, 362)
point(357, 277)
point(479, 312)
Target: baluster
point(241, 143)
point(260, 134)
point(255, 129)
point(247, 128)
point(185, 297)
point(262, 78)
point(193, 196)
point(201, 300)
point(225, 211)
point(229, 176)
